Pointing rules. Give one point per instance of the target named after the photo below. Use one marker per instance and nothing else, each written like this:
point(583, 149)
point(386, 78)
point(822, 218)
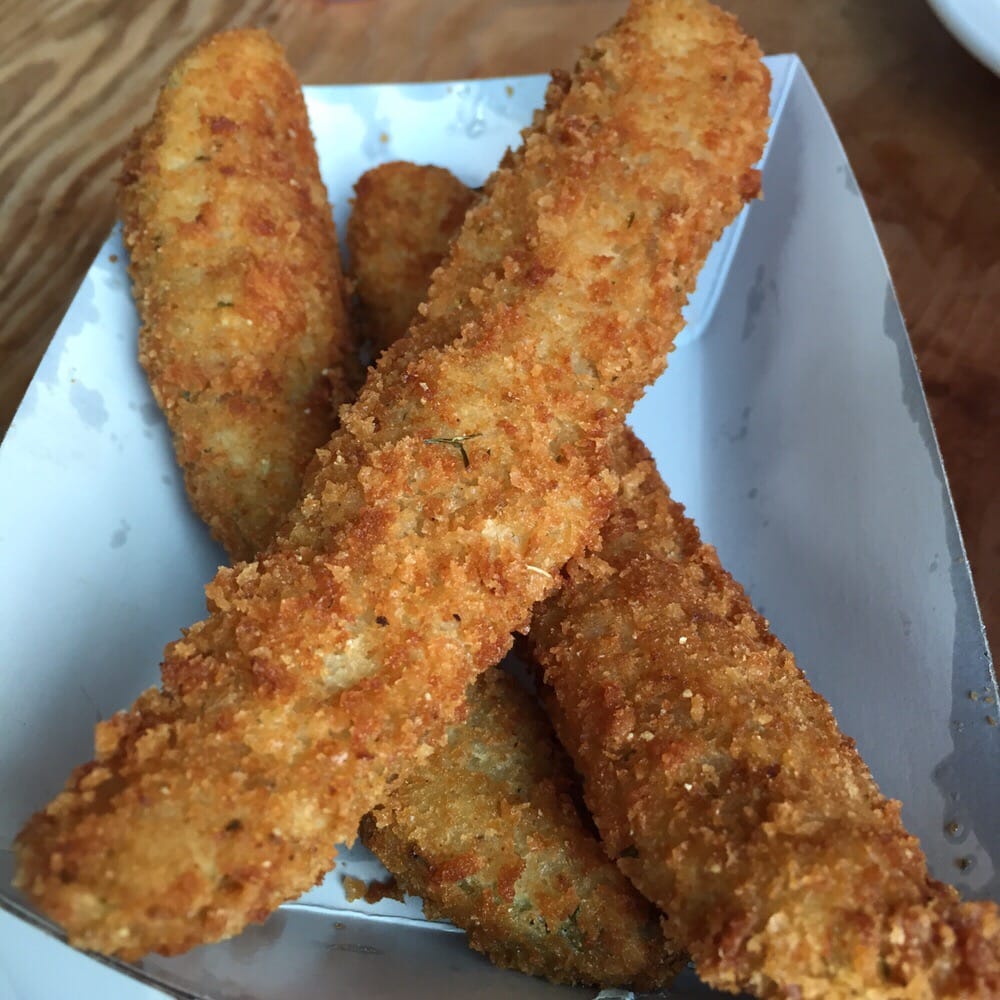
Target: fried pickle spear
point(341, 655)
point(720, 782)
point(236, 270)
point(489, 833)
point(403, 221)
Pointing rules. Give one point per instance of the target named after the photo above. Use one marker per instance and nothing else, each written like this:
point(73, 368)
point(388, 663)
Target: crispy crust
point(488, 831)
point(489, 834)
point(720, 782)
point(237, 278)
point(403, 220)
point(284, 713)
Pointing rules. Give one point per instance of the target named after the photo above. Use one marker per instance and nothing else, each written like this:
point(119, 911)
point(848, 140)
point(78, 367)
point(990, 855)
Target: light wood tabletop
point(919, 117)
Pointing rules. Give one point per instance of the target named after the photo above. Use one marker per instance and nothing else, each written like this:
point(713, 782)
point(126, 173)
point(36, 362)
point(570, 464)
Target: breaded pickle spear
point(236, 271)
point(720, 782)
point(488, 831)
point(403, 220)
point(475, 457)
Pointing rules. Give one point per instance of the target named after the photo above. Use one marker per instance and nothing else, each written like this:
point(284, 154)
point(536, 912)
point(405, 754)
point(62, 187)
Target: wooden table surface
point(919, 118)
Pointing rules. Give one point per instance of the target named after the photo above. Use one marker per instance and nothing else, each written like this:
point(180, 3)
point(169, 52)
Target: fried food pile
point(472, 466)
point(482, 481)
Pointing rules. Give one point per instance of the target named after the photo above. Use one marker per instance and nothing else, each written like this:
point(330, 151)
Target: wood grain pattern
point(916, 113)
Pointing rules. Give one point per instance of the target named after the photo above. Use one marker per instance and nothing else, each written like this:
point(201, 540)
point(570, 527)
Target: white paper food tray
point(791, 422)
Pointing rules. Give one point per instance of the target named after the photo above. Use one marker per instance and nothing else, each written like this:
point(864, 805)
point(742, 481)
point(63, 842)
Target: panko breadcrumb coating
point(720, 781)
point(488, 832)
point(403, 220)
point(237, 279)
point(475, 456)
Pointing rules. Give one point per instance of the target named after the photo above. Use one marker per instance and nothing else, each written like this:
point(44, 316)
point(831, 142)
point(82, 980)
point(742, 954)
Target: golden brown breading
point(489, 834)
point(404, 217)
point(486, 831)
point(236, 270)
point(720, 782)
point(344, 652)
